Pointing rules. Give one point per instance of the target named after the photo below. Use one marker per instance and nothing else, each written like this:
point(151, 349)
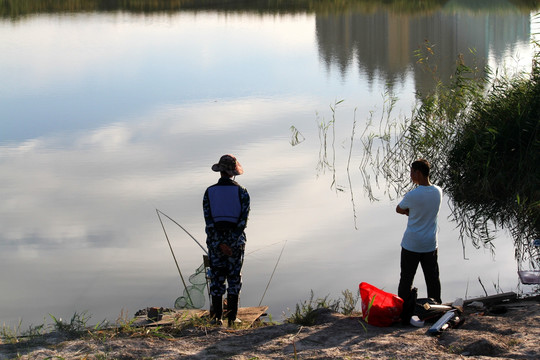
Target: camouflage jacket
point(235, 236)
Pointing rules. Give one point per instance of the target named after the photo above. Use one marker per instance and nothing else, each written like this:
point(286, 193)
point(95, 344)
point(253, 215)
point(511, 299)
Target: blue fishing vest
point(224, 203)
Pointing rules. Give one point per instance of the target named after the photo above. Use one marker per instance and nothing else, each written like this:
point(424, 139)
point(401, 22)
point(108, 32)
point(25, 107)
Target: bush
point(493, 165)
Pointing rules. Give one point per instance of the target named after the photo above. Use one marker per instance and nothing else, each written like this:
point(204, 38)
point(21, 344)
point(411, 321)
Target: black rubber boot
point(409, 305)
point(232, 307)
point(217, 309)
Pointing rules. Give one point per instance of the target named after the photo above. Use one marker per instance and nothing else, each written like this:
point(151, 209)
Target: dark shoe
point(216, 313)
point(232, 307)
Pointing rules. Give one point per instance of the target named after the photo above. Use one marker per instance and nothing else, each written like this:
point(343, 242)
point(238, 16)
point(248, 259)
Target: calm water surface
point(106, 117)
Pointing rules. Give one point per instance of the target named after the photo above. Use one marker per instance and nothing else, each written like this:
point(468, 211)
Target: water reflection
point(383, 44)
point(79, 230)
point(78, 216)
point(18, 9)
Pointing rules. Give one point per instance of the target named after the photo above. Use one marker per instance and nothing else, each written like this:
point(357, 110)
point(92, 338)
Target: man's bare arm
point(402, 211)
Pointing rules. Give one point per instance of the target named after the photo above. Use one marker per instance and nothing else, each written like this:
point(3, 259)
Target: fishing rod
point(198, 243)
point(174, 257)
point(181, 227)
point(206, 252)
point(271, 276)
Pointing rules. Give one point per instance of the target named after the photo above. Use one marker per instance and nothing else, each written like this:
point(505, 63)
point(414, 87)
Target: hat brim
point(237, 171)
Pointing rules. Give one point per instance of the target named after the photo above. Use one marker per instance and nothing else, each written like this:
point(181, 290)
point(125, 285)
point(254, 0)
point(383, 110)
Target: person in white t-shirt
point(419, 243)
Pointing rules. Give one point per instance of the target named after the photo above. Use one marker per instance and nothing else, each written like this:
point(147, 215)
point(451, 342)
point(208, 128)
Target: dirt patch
point(513, 333)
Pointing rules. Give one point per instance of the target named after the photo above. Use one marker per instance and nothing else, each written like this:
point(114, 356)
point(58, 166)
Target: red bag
point(379, 308)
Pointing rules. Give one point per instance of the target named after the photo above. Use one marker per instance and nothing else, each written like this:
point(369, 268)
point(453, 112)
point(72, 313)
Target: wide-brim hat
point(228, 164)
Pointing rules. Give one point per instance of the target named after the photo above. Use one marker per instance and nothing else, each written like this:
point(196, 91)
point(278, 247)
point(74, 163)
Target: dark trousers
point(430, 267)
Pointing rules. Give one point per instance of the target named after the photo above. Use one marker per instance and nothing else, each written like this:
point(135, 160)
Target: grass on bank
point(306, 312)
point(17, 341)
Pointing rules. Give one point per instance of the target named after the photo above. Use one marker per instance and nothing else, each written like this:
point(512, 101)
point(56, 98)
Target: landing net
point(193, 297)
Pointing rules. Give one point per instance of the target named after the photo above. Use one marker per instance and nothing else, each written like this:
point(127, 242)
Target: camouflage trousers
point(225, 269)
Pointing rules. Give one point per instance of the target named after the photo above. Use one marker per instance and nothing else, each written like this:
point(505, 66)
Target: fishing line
point(172, 252)
point(264, 247)
point(271, 276)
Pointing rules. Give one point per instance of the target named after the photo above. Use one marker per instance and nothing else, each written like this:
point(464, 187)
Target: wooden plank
point(248, 315)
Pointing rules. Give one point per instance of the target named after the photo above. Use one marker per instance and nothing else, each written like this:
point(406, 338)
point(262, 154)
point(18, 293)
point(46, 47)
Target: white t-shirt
point(423, 203)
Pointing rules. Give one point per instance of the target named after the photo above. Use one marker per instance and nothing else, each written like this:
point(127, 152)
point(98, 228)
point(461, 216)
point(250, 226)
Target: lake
point(109, 114)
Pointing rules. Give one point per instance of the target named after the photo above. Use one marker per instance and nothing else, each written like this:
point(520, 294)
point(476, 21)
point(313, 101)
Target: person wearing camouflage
point(226, 206)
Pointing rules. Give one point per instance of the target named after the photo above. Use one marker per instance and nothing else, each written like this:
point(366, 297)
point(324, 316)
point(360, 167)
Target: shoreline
point(512, 331)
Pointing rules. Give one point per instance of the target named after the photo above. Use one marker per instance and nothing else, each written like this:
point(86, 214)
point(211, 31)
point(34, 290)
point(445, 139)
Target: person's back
point(224, 200)
point(423, 203)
